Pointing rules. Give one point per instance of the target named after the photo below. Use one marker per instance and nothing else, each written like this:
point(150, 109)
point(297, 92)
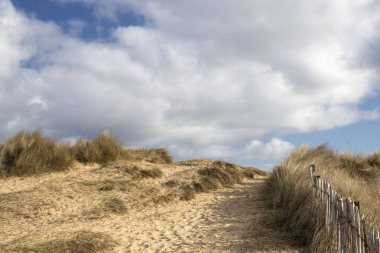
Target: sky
point(244, 81)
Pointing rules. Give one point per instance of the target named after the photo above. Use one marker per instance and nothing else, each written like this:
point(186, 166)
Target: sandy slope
point(52, 207)
point(229, 220)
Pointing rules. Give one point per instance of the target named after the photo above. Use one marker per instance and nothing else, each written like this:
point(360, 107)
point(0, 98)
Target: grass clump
point(152, 155)
point(188, 193)
point(172, 183)
point(81, 242)
point(135, 171)
point(115, 205)
point(248, 173)
point(215, 175)
point(102, 149)
point(28, 153)
point(356, 165)
point(373, 160)
point(106, 185)
point(293, 200)
point(164, 199)
point(219, 174)
point(223, 176)
point(151, 173)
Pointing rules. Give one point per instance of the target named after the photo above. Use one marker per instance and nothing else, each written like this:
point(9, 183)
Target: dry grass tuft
point(152, 155)
point(134, 171)
point(374, 160)
point(151, 173)
point(107, 185)
point(209, 175)
point(115, 205)
point(172, 183)
point(165, 199)
point(102, 149)
point(249, 173)
point(356, 165)
point(188, 193)
point(219, 174)
point(81, 242)
point(29, 153)
point(354, 176)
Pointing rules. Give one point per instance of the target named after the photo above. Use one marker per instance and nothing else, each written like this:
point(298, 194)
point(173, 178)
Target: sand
point(41, 209)
point(228, 220)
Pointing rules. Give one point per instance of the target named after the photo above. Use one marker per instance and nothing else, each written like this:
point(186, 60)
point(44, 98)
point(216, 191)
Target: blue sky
point(95, 27)
point(244, 82)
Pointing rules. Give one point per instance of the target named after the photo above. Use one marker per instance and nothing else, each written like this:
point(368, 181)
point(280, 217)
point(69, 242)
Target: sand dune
point(100, 209)
point(228, 220)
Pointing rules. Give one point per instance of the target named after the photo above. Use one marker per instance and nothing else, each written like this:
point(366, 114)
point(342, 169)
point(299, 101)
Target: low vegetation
point(115, 205)
point(151, 173)
point(108, 184)
point(354, 176)
point(152, 155)
point(29, 153)
point(80, 242)
point(217, 174)
point(102, 149)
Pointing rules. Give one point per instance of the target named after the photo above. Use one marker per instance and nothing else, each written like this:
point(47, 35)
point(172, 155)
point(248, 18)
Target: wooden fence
point(347, 226)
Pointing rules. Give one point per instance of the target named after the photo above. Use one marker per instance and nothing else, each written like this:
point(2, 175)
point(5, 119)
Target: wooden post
point(354, 228)
point(312, 171)
point(357, 203)
point(345, 226)
point(366, 250)
point(344, 222)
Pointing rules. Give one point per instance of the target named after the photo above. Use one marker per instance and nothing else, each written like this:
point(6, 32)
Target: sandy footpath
point(228, 220)
point(43, 209)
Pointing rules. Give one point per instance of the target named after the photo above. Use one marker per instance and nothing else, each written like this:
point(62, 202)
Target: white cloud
point(256, 150)
point(212, 74)
point(276, 149)
point(11, 51)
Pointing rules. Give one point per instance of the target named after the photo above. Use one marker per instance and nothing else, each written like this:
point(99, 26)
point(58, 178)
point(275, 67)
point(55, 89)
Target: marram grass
point(353, 176)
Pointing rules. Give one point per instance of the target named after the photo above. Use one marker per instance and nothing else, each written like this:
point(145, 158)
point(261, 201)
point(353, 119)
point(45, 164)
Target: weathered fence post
point(343, 220)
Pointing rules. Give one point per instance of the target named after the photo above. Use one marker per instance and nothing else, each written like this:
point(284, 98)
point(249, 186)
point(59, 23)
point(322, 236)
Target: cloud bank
point(205, 78)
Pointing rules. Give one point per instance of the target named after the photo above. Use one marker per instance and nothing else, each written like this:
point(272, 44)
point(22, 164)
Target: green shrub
point(29, 153)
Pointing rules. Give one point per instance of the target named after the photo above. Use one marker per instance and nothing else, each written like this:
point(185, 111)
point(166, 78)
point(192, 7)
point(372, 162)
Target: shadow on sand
point(243, 222)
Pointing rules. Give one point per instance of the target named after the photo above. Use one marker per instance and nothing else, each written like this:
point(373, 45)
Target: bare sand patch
point(134, 213)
